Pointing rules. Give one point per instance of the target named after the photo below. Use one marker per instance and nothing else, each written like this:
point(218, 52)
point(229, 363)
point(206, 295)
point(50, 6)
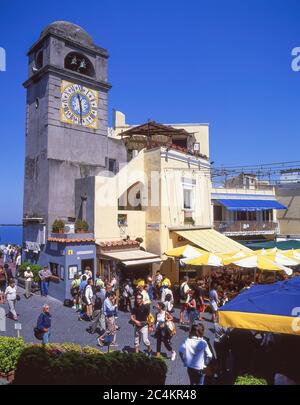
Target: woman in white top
point(195, 354)
point(162, 333)
point(28, 275)
point(11, 297)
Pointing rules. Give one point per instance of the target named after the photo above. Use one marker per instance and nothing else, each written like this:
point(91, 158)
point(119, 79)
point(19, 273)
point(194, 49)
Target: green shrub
point(57, 225)
point(35, 268)
point(71, 347)
point(39, 365)
point(10, 351)
point(250, 380)
point(90, 350)
point(81, 225)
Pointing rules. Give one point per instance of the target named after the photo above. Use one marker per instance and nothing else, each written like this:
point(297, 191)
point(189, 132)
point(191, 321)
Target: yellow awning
point(212, 241)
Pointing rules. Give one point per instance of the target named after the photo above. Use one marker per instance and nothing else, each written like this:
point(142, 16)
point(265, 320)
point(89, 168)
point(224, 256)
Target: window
point(122, 219)
point(268, 215)
point(111, 165)
point(54, 269)
point(39, 59)
point(79, 63)
point(72, 271)
point(62, 273)
point(187, 198)
point(218, 213)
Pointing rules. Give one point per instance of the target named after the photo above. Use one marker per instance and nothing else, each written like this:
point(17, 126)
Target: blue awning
point(251, 205)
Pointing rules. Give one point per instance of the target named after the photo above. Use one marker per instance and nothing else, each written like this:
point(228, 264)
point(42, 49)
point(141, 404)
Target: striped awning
point(212, 241)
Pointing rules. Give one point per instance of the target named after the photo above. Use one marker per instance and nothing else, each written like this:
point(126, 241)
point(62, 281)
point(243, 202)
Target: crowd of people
point(98, 302)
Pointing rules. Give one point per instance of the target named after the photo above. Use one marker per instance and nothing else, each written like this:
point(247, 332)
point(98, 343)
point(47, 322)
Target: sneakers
point(100, 342)
point(149, 354)
point(74, 307)
point(173, 356)
point(114, 345)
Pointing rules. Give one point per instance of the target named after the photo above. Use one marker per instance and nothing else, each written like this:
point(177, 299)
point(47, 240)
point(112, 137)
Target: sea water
point(11, 235)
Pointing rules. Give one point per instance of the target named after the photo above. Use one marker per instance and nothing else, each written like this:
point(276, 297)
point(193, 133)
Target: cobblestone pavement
point(67, 328)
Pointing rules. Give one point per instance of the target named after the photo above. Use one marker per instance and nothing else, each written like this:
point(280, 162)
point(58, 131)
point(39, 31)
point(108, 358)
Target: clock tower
point(66, 124)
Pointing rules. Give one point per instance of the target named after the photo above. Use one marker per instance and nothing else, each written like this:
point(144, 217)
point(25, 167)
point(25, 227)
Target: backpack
point(83, 297)
point(130, 291)
point(168, 297)
point(97, 303)
point(68, 303)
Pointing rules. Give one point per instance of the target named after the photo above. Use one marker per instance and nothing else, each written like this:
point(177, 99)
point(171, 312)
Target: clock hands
point(80, 107)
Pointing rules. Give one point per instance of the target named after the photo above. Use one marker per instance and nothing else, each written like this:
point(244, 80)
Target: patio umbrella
point(267, 251)
point(260, 262)
point(292, 254)
point(280, 258)
point(208, 259)
point(270, 308)
point(185, 251)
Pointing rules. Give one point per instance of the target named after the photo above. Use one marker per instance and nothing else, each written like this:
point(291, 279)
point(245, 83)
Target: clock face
point(79, 105)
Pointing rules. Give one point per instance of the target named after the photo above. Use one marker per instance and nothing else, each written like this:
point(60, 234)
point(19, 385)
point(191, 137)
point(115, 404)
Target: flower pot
point(8, 376)
point(61, 231)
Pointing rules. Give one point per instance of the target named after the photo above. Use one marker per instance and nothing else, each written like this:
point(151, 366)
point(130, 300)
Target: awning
point(212, 241)
point(132, 257)
point(36, 247)
point(139, 262)
point(251, 205)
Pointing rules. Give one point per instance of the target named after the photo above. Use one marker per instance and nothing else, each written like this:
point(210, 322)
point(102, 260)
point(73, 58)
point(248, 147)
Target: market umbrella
point(185, 251)
point(208, 259)
point(233, 255)
point(280, 258)
point(267, 251)
point(292, 254)
point(260, 262)
point(270, 308)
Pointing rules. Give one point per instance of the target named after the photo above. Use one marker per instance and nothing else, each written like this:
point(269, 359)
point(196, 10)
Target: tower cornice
point(67, 75)
point(87, 48)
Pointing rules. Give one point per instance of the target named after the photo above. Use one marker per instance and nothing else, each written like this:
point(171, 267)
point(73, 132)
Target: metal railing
point(245, 226)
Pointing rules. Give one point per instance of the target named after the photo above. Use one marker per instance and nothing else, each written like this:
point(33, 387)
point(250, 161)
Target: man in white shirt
point(184, 298)
point(11, 297)
point(88, 292)
point(18, 263)
point(28, 275)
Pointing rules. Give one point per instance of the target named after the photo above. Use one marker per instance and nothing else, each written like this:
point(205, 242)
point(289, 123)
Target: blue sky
point(225, 62)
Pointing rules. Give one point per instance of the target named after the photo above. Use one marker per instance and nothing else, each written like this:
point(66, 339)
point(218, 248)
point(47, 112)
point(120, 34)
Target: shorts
point(184, 307)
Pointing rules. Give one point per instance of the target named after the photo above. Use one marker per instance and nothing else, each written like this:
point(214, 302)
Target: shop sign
point(153, 227)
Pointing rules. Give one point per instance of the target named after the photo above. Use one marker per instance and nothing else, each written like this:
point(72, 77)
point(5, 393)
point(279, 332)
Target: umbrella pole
point(255, 270)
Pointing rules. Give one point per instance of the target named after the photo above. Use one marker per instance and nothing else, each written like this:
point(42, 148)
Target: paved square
point(67, 328)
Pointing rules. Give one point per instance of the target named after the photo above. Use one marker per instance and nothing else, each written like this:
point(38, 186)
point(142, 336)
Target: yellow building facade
point(158, 200)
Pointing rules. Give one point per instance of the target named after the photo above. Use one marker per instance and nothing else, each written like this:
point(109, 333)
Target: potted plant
point(35, 268)
point(58, 226)
point(81, 226)
point(189, 221)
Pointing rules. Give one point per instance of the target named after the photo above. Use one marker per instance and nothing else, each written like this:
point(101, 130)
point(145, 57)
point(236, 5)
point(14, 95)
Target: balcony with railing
point(246, 227)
